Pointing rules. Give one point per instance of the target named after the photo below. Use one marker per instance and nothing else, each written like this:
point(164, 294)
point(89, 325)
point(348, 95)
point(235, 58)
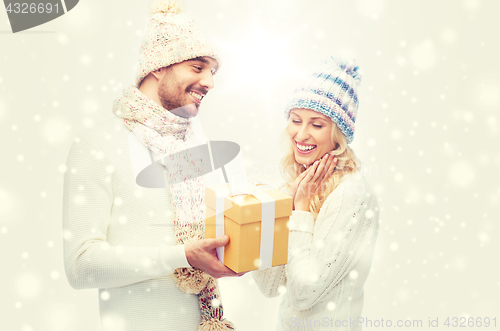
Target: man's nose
point(207, 80)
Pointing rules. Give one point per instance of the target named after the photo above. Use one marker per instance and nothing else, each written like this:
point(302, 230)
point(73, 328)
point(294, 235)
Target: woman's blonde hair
point(346, 163)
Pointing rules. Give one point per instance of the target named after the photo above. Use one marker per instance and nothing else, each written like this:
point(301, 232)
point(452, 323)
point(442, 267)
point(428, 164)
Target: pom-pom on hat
point(331, 91)
point(171, 38)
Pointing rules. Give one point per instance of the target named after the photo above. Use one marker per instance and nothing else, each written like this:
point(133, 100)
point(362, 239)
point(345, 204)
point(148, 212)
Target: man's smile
point(197, 96)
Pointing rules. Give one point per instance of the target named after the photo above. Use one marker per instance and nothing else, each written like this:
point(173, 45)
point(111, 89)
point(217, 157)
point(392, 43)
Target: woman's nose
point(303, 133)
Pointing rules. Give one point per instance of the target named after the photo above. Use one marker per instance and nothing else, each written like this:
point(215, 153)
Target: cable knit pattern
point(329, 260)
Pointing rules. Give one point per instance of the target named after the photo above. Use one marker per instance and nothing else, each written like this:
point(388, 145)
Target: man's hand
point(201, 254)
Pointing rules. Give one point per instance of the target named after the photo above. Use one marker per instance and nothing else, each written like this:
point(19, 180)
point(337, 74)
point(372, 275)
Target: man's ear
point(159, 73)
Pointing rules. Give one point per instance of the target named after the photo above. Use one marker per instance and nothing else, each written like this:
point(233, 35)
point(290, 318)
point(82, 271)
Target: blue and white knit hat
point(331, 91)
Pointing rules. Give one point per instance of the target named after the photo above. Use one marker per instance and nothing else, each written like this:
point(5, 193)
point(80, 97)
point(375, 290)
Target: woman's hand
point(309, 181)
point(295, 185)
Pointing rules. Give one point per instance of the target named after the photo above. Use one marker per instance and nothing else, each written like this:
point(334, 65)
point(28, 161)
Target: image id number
point(463, 322)
point(32, 8)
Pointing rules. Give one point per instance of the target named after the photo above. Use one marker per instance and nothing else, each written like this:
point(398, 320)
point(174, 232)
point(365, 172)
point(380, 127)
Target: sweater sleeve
point(270, 280)
point(89, 260)
point(322, 253)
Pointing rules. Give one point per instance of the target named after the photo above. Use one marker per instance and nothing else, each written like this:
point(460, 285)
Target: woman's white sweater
point(328, 263)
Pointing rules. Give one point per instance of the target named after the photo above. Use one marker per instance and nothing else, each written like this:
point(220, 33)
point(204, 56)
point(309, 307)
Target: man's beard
point(177, 101)
point(176, 106)
point(169, 102)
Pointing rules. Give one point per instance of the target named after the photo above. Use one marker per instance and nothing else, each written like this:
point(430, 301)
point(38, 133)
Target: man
point(143, 248)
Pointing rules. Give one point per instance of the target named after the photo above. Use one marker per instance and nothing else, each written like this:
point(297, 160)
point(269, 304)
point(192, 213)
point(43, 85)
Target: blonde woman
point(335, 220)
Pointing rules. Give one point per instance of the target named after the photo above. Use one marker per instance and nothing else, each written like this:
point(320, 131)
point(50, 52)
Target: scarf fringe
point(216, 325)
point(191, 280)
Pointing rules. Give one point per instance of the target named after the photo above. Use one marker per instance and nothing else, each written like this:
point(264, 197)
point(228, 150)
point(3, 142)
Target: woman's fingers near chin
point(319, 168)
point(318, 173)
point(328, 166)
point(324, 168)
point(333, 164)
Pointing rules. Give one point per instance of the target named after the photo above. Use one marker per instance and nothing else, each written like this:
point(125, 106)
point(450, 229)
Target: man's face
point(185, 84)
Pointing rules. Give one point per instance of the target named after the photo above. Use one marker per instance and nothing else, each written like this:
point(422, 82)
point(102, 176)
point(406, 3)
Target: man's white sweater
point(119, 238)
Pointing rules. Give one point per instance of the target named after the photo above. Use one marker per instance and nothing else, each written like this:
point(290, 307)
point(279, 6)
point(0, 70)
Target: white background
point(427, 133)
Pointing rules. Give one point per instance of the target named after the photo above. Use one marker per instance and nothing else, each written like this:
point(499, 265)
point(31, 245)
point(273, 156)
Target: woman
point(335, 220)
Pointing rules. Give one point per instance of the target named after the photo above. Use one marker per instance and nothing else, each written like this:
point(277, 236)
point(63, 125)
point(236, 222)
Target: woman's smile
point(305, 148)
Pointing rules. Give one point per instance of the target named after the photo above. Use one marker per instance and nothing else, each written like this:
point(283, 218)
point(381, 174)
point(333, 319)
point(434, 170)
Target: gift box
point(254, 243)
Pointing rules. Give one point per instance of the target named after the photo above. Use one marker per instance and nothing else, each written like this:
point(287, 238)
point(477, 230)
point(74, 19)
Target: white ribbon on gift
point(220, 195)
point(266, 228)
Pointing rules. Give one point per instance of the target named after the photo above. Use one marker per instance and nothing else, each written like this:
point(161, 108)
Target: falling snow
point(423, 56)
point(461, 174)
point(28, 285)
point(56, 130)
point(3, 110)
point(427, 131)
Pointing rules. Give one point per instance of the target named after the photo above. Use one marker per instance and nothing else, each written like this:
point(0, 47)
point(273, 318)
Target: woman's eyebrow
point(311, 118)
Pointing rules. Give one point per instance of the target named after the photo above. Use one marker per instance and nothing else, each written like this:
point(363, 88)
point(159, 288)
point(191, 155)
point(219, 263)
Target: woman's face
point(310, 132)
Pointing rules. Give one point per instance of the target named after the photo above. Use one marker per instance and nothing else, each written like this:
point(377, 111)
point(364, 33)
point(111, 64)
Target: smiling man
point(181, 87)
point(143, 248)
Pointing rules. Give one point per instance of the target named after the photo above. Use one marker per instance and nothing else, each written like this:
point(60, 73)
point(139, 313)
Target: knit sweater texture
point(118, 236)
point(328, 261)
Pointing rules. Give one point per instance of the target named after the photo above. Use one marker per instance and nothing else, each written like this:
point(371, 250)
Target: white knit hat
point(171, 38)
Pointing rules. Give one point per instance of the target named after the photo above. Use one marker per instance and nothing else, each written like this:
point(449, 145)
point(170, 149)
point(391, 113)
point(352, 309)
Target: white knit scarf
point(169, 137)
